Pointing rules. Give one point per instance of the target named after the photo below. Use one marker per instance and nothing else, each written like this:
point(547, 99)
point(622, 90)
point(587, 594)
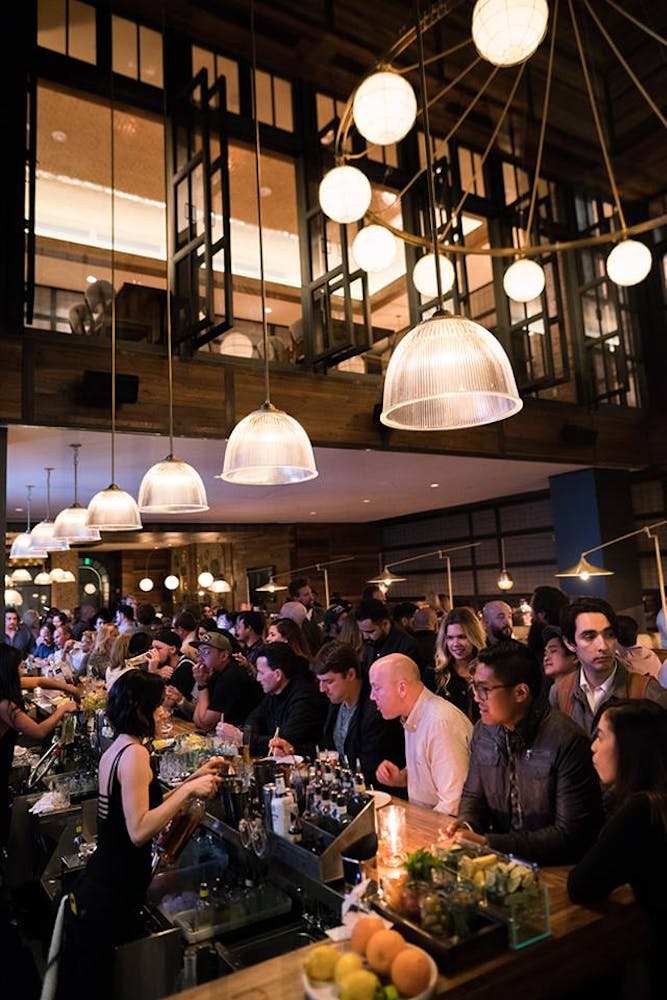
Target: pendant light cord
point(75, 456)
point(29, 503)
point(258, 187)
point(429, 156)
point(167, 204)
point(113, 287)
point(48, 491)
point(543, 124)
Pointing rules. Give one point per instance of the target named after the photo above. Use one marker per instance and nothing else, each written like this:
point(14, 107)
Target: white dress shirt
point(437, 751)
point(596, 695)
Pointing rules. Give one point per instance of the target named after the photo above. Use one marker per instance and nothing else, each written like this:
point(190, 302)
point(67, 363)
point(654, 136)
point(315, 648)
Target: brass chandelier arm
point(596, 117)
point(436, 57)
point(543, 124)
point(628, 69)
point(480, 166)
point(528, 251)
point(638, 23)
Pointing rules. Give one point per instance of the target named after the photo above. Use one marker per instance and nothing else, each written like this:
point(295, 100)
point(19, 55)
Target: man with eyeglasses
point(531, 788)
point(590, 630)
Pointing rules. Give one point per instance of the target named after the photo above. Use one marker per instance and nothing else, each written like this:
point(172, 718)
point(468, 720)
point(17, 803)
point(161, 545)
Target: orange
point(365, 926)
point(411, 971)
point(382, 949)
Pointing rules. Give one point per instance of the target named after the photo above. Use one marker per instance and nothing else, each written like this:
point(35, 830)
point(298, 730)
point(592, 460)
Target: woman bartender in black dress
point(105, 904)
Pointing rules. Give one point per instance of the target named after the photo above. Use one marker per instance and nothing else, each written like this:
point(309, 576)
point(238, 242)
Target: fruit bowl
point(328, 990)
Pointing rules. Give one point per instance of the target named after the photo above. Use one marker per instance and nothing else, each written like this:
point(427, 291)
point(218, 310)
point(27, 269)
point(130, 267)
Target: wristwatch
point(202, 687)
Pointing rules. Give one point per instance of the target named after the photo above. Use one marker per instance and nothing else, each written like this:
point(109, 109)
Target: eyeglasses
point(482, 691)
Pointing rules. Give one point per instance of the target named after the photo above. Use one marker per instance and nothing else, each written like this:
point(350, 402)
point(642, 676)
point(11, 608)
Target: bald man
point(437, 735)
point(497, 621)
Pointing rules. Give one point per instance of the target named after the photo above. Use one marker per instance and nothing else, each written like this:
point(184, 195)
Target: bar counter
point(585, 943)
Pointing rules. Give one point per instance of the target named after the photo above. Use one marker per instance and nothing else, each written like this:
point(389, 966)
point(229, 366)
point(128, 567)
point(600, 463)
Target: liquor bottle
point(78, 839)
point(203, 908)
point(281, 808)
point(342, 817)
point(179, 830)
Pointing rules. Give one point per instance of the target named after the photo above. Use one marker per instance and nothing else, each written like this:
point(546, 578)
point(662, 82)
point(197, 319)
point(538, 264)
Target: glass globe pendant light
point(71, 523)
point(448, 372)
point(507, 32)
point(524, 280)
point(424, 277)
point(42, 535)
point(113, 509)
point(374, 248)
point(629, 262)
point(268, 447)
point(505, 580)
point(172, 582)
point(171, 486)
point(220, 587)
point(384, 108)
point(22, 547)
point(345, 194)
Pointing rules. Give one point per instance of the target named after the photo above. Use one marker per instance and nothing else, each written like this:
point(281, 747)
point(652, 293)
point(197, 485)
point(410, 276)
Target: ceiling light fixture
point(21, 575)
point(113, 509)
point(13, 598)
point(42, 535)
point(507, 32)
point(43, 579)
point(22, 547)
point(271, 587)
point(205, 579)
point(268, 447)
point(171, 486)
point(71, 523)
point(448, 372)
point(504, 581)
point(386, 578)
point(220, 587)
point(443, 554)
point(146, 583)
point(172, 582)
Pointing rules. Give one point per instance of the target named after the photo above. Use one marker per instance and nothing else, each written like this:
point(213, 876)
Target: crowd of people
point(552, 748)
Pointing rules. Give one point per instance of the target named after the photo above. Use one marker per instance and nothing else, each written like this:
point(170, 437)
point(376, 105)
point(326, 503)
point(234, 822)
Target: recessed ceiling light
point(59, 136)
point(90, 278)
point(313, 512)
point(268, 310)
point(365, 501)
point(19, 510)
point(434, 485)
point(265, 191)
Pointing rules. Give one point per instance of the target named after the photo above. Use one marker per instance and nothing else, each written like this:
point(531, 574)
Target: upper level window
point(137, 51)
point(219, 66)
point(274, 101)
point(67, 27)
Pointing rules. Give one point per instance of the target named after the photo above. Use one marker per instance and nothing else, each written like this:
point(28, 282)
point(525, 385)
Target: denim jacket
point(558, 789)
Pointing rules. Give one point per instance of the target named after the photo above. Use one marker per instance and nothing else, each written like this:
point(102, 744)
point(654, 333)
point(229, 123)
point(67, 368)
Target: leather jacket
point(558, 788)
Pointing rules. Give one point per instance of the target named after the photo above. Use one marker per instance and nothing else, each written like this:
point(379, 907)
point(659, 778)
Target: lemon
point(359, 985)
point(321, 961)
point(346, 964)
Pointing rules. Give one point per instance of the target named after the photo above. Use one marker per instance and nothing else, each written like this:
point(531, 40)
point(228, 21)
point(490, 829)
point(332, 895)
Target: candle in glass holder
point(392, 835)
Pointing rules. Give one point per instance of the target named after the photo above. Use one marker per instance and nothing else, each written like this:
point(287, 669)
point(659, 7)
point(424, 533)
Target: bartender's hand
point(211, 766)
point(229, 733)
point(280, 747)
point(388, 773)
point(205, 785)
point(66, 707)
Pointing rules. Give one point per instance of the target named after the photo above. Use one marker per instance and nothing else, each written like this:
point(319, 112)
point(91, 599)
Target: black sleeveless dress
point(106, 902)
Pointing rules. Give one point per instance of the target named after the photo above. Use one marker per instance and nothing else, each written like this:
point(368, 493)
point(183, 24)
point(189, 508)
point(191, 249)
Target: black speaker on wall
point(578, 434)
point(95, 389)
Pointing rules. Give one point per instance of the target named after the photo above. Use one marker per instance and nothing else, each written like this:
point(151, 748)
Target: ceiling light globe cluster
point(345, 194)
point(507, 32)
point(384, 108)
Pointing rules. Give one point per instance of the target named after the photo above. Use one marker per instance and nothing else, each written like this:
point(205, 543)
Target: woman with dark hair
point(459, 640)
point(287, 630)
point(14, 720)
point(630, 757)
point(105, 903)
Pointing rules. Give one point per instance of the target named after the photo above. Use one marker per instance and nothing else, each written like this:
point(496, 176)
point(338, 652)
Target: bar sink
point(266, 946)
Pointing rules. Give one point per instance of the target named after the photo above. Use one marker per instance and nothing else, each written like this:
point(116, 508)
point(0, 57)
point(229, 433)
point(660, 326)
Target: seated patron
point(437, 735)
point(630, 757)
point(531, 789)
point(224, 687)
point(460, 638)
point(381, 636)
point(290, 716)
point(354, 726)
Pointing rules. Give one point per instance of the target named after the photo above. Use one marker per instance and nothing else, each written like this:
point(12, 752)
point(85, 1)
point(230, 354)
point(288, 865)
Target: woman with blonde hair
point(118, 654)
point(460, 638)
point(98, 661)
point(349, 633)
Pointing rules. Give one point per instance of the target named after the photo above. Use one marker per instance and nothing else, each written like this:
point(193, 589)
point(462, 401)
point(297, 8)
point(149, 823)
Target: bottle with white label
point(281, 809)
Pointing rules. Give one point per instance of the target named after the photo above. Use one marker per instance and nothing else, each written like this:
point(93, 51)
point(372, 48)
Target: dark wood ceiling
point(334, 43)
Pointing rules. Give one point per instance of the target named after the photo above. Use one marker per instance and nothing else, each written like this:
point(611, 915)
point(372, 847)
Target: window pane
point(151, 57)
point(51, 20)
point(124, 47)
point(230, 70)
point(82, 32)
point(264, 98)
point(283, 99)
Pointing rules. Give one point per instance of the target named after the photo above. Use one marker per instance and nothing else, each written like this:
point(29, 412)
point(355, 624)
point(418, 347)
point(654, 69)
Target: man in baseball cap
point(224, 686)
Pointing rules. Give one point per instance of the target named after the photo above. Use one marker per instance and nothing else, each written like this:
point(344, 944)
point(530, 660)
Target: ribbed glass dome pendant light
point(448, 372)
point(71, 523)
point(22, 547)
point(171, 486)
point(42, 535)
point(268, 447)
point(113, 509)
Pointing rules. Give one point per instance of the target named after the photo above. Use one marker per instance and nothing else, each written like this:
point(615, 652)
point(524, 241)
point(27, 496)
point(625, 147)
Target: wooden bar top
point(585, 943)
